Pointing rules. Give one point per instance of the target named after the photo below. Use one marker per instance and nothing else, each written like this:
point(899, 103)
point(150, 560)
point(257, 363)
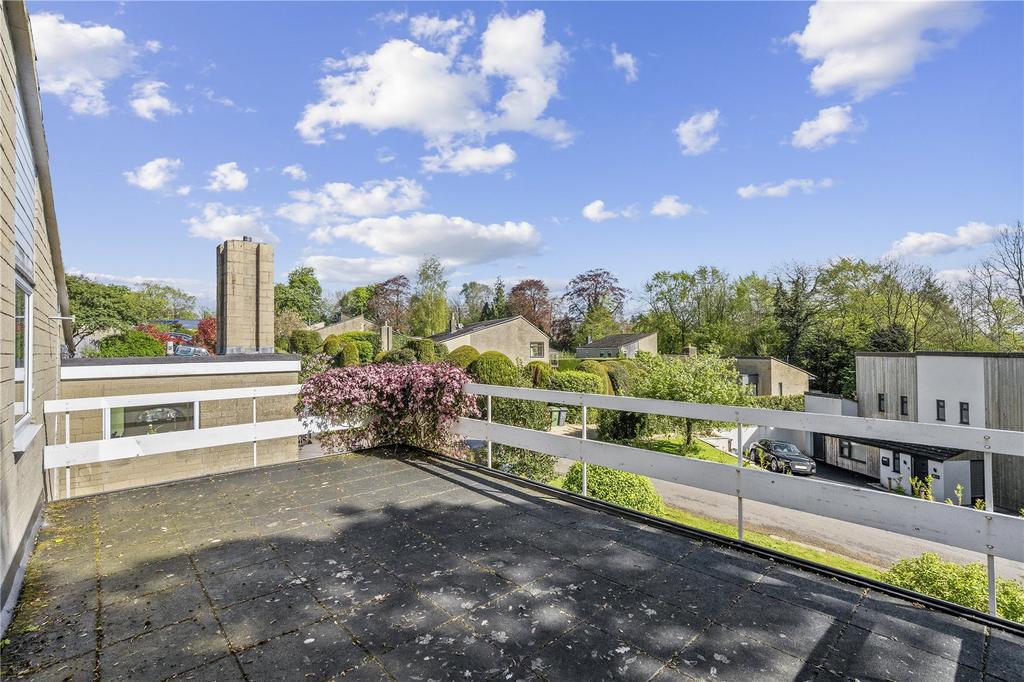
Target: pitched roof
point(477, 326)
point(772, 357)
point(617, 340)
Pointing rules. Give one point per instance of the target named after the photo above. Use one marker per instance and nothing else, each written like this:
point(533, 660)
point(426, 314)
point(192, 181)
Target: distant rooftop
point(617, 340)
point(772, 357)
point(473, 327)
point(380, 568)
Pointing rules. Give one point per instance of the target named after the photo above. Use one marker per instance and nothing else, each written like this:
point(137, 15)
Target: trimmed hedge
point(332, 345)
point(568, 364)
point(577, 382)
point(372, 338)
point(423, 349)
point(463, 356)
point(539, 373)
point(131, 344)
point(600, 371)
point(402, 356)
point(365, 350)
point(440, 351)
point(620, 372)
point(793, 403)
point(348, 356)
point(494, 368)
point(618, 487)
point(305, 341)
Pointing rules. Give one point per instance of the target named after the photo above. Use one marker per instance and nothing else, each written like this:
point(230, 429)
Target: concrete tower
point(245, 297)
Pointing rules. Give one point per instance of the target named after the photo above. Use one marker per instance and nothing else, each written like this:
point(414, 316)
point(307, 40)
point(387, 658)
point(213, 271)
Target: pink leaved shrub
point(387, 404)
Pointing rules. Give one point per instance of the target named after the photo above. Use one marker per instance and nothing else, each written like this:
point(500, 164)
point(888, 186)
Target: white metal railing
point(67, 454)
point(981, 531)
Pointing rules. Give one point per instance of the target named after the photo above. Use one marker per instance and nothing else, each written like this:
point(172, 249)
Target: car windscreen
point(786, 449)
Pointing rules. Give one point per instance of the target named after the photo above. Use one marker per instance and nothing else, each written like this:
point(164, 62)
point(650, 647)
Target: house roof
point(772, 357)
point(617, 340)
point(482, 324)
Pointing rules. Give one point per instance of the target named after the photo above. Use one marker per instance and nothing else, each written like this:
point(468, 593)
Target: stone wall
point(512, 338)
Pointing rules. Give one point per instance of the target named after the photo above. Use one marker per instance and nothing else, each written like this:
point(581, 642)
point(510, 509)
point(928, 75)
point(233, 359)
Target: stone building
point(620, 345)
point(515, 336)
point(767, 375)
point(356, 323)
point(245, 297)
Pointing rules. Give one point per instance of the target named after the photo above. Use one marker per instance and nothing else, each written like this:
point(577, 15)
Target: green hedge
point(793, 403)
point(402, 356)
point(348, 356)
point(305, 341)
point(463, 356)
point(495, 368)
point(539, 373)
point(365, 350)
point(618, 487)
point(372, 338)
point(600, 371)
point(332, 345)
point(577, 382)
point(620, 372)
point(567, 364)
point(440, 351)
point(131, 344)
point(423, 349)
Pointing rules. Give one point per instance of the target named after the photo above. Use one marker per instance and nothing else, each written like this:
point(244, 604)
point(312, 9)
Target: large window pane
point(151, 419)
point(22, 356)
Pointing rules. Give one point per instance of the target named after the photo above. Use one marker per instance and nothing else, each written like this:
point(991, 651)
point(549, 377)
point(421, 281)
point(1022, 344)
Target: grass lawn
point(698, 449)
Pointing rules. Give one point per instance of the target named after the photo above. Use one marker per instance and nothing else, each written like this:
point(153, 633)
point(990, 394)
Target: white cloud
point(227, 177)
point(597, 213)
point(221, 222)
point(196, 287)
point(865, 47)
point(183, 191)
point(625, 62)
point(784, 188)
point(466, 160)
point(448, 33)
point(148, 100)
point(824, 131)
point(670, 207)
point(953, 276)
point(153, 46)
point(155, 175)
point(445, 96)
point(295, 172)
point(77, 61)
point(934, 243)
point(697, 134)
point(339, 201)
point(359, 271)
point(385, 155)
point(456, 240)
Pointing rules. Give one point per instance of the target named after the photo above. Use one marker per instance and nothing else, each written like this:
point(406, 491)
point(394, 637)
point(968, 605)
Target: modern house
point(516, 337)
point(357, 323)
point(619, 345)
point(767, 375)
point(970, 389)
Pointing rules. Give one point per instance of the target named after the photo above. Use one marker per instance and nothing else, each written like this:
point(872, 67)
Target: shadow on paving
point(374, 567)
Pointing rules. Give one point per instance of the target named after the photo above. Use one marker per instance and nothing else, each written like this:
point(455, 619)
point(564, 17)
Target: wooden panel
point(1004, 409)
point(894, 376)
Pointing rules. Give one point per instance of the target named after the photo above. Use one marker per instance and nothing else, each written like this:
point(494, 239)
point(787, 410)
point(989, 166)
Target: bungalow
point(516, 337)
point(767, 375)
point(356, 323)
point(620, 345)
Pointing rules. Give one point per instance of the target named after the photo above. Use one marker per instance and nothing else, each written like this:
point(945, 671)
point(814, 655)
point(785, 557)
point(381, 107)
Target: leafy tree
point(475, 295)
point(499, 302)
point(596, 323)
point(428, 308)
point(99, 307)
point(163, 302)
point(129, 344)
point(351, 303)
point(285, 322)
point(301, 294)
point(531, 298)
point(206, 333)
point(591, 289)
point(830, 357)
point(894, 338)
point(390, 302)
point(795, 306)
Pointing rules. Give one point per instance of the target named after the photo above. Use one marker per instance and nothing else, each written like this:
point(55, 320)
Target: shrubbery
point(567, 364)
point(332, 345)
point(305, 341)
point(463, 356)
point(348, 356)
point(423, 349)
point(440, 351)
point(372, 338)
point(495, 368)
point(964, 584)
point(313, 364)
point(131, 344)
point(365, 350)
point(619, 372)
point(618, 487)
point(600, 371)
point(539, 373)
point(577, 382)
point(402, 356)
point(793, 403)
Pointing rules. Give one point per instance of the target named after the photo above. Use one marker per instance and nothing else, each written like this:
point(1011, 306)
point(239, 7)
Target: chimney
point(689, 351)
point(453, 323)
point(245, 297)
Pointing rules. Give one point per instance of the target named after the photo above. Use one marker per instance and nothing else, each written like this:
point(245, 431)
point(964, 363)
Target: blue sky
point(361, 137)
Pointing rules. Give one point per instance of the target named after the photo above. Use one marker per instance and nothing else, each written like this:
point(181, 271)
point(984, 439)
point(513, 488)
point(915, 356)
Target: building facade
point(620, 345)
point(515, 337)
point(767, 375)
point(245, 297)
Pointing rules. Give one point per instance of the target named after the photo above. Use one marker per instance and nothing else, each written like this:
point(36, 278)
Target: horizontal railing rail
point(143, 399)
point(981, 531)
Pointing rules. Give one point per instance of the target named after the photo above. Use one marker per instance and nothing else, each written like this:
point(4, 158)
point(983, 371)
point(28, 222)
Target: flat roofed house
point(770, 376)
point(33, 299)
point(515, 337)
point(620, 345)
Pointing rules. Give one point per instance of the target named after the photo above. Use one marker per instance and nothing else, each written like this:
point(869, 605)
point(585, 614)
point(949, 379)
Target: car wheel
point(775, 464)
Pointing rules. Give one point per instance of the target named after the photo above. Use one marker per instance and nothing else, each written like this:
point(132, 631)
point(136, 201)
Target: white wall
point(954, 379)
point(827, 404)
point(953, 472)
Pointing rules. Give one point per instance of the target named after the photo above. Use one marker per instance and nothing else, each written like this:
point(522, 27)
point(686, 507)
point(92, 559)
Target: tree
point(499, 303)
point(894, 338)
point(351, 303)
point(428, 308)
point(163, 302)
point(597, 323)
point(795, 305)
point(475, 295)
point(206, 333)
point(593, 288)
point(390, 302)
point(99, 307)
point(285, 322)
point(829, 356)
point(531, 298)
point(301, 294)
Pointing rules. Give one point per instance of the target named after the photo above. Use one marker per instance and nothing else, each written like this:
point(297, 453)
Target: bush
point(402, 356)
point(463, 356)
point(539, 373)
point(494, 368)
point(793, 403)
point(600, 371)
point(347, 356)
point(567, 364)
point(131, 344)
point(620, 372)
point(440, 351)
point(305, 341)
point(964, 584)
point(577, 382)
point(332, 345)
point(365, 349)
point(618, 487)
point(372, 338)
point(313, 364)
point(423, 349)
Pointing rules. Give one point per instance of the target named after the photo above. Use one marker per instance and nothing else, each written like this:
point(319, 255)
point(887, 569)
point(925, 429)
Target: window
point(965, 413)
point(940, 410)
point(844, 449)
point(881, 402)
point(22, 351)
point(780, 388)
point(536, 349)
point(150, 419)
point(896, 462)
point(904, 406)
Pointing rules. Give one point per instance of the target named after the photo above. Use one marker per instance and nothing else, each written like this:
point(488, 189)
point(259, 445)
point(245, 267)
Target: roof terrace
point(371, 566)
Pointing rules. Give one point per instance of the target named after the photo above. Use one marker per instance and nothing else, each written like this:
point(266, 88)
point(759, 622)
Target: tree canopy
point(301, 294)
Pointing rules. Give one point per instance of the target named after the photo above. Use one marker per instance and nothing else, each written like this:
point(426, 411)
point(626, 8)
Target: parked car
point(190, 351)
point(780, 456)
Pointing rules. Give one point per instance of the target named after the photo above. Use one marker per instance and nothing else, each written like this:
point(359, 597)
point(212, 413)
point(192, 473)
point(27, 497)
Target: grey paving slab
point(360, 567)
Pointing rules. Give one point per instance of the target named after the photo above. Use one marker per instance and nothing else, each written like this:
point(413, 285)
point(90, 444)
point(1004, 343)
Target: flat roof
point(617, 340)
point(940, 353)
point(772, 357)
point(379, 567)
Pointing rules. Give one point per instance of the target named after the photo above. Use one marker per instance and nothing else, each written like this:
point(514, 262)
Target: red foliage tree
point(151, 330)
point(206, 333)
point(390, 302)
point(532, 299)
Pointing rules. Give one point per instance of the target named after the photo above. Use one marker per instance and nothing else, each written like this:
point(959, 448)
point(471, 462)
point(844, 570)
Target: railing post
point(739, 473)
point(582, 461)
point(489, 445)
point(254, 431)
point(67, 441)
point(990, 507)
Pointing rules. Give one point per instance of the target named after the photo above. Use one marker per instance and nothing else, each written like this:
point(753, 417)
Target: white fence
point(981, 531)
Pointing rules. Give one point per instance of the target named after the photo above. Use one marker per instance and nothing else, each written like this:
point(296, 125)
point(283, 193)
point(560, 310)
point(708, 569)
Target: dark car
point(780, 456)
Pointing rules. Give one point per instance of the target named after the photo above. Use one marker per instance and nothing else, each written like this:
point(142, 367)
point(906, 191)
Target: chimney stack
point(453, 323)
point(245, 297)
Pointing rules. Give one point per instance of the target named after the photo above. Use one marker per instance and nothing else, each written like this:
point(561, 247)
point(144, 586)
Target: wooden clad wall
point(1004, 409)
point(893, 375)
